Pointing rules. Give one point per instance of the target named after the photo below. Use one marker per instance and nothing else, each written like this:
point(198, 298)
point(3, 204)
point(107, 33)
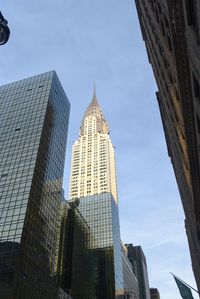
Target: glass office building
point(34, 121)
point(76, 264)
point(101, 214)
point(137, 258)
point(131, 289)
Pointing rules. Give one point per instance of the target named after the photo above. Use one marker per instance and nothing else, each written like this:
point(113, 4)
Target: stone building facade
point(171, 31)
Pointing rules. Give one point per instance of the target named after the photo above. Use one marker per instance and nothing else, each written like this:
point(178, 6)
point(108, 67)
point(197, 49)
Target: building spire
point(94, 98)
point(94, 109)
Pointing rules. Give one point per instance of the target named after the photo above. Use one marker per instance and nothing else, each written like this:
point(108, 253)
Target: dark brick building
point(171, 31)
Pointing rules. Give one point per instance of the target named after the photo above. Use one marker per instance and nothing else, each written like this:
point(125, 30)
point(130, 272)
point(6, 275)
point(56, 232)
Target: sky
point(100, 40)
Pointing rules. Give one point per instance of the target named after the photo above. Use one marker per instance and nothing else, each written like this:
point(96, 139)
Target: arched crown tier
point(95, 110)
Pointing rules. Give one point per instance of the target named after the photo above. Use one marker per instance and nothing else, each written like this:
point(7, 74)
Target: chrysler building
point(93, 159)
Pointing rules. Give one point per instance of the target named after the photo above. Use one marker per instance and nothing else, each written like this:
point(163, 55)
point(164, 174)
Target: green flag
point(185, 291)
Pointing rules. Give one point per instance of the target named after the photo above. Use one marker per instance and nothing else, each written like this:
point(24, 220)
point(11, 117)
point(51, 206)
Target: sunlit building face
point(93, 161)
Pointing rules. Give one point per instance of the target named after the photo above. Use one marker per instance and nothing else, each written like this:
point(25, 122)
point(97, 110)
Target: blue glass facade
point(34, 116)
point(131, 289)
point(101, 214)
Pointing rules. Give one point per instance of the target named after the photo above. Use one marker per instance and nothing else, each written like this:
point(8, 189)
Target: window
point(196, 86)
point(190, 9)
point(198, 123)
point(4, 175)
point(162, 27)
point(166, 21)
point(177, 95)
point(169, 42)
point(159, 8)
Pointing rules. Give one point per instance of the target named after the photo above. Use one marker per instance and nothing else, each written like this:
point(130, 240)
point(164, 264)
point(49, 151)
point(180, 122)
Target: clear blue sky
point(87, 40)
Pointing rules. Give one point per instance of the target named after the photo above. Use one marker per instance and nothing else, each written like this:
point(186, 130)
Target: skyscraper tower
point(138, 261)
point(93, 160)
point(34, 116)
point(93, 188)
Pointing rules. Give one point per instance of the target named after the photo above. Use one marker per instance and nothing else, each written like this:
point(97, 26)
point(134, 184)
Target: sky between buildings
point(87, 40)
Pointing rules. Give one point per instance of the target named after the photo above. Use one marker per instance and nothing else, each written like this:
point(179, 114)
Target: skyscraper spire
point(94, 110)
point(94, 102)
point(94, 93)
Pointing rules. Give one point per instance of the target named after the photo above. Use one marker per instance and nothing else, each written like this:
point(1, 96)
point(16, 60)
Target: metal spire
point(95, 110)
point(94, 98)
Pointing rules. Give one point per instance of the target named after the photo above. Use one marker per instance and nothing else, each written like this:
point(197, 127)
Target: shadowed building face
point(171, 33)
